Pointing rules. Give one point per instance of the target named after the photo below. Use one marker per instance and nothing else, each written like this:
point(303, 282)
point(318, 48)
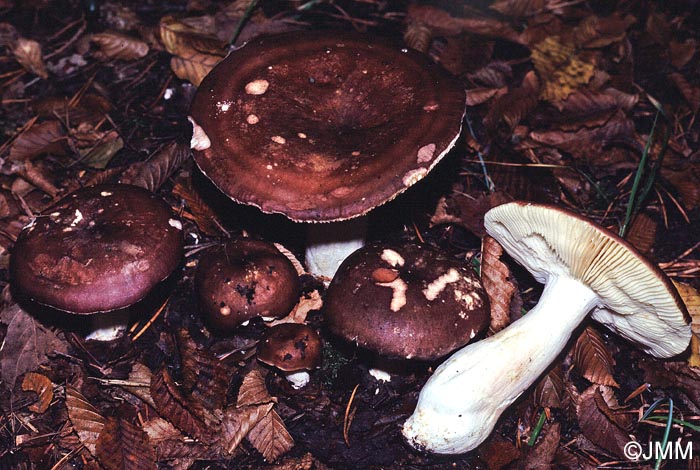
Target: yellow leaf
point(560, 68)
point(691, 298)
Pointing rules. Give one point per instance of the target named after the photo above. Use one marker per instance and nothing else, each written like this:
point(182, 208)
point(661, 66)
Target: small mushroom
point(292, 348)
point(406, 301)
point(244, 279)
point(585, 269)
point(323, 127)
point(96, 252)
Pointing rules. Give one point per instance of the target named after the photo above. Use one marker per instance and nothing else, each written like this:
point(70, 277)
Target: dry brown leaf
point(238, 421)
point(690, 92)
point(193, 66)
point(586, 108)
point(204, 377)
point(270, 437)
point(687, 183)
point(542, 455)
point(642, 233)
point(418, 36)
point(26, 345)
point(87, 421)
point(28, 53)
point(510, 109)
point(172, 404)
point(124, 446)
point(518, 8)
point(170, 443)
point(560, 68)
point(549, 391)
point(42, 386)
point(182, 39)
point(495, 276)
point(437, 20)
point(102, 152)
point(477, 96)
point(682, 52)
point(119, 46)
point(691, 299)
point(593, 359)
point(596, 31)
point(594, 420)
point(140, 383)
point(158, 169)
point(312, 301)
point(197, 208)
point(253, 391)
point(45, 137)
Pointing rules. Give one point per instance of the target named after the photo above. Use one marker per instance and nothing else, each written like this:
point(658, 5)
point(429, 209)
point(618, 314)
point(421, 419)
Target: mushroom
point(323, 127)
point(244, 279)
point(96, 252)
point(585, 269)
point(406, 301)
point(292, 348)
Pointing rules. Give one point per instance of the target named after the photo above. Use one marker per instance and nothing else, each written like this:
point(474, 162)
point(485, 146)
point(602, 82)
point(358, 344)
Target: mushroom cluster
point(96, 252)
point(585, 269)
point(406, 301)
point(323, 127)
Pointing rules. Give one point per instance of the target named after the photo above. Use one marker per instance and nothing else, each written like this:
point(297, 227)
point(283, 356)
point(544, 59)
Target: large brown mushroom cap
point(100, 248)
point(291, 347)
point(407, 301)
point(324, 126)
point(244, 279)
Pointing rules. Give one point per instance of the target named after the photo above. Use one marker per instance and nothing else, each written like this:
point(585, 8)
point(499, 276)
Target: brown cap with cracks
point(291, 347)
point(244, 279)
point(324, 126)
point(100, 248)
point(407, 301)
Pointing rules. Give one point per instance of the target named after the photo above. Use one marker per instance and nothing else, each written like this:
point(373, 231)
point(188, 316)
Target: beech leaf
point(642, 233)
point(119, 46)
point(238, 421)
point(156, 171)
point(43, 137)
point(595, 424)
point(593, 359)
point(42, 386)
point(495, 276)
point(87, 421)
point(270, 437)
point(197, 208)
point(253, 390)
point(549, 391)
point(124, 446)
point(193, 66)
point(205, 378)
point(28, 53)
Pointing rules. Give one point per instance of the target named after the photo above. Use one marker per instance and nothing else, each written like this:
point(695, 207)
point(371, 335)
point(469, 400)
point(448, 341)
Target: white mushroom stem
point(328, 244)
point(298, 379)
point(108, 326)
point(461, 403)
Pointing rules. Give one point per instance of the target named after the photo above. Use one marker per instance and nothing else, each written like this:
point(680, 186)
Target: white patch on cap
point(200, 140)
point(252, 119)
point(438, 285)
point(278, 139)
point(257, 87)
point(425, 153)
point(54, 214)
point(225, 310)
point(414, 176)
point(106, 193)
point(472, 334)
point(175, 223)
point(392, 257)
point(469, 299)
point(78, 218)
point(301, 135)
point(223, 106)
point(398, 295)
point(431, 107)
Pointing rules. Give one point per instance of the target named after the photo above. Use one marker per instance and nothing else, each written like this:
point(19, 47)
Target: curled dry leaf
point(119, 46)
point(597, 423)
point(181, 39)
point(238, 421)
point(124, 446)
point(253, 390)
point(87, 421)
point(418, 36)
point(511, 108)
point(691, 298)
point(495, 276)
point(312, 301)
point(174, 406)
point(28, 53)
point(171, 444)
point(593, 359)
point(204, 377)
point(158, 169)
point(197, 208)
point(550, 391)
point(44, 137)
point(140, 383)
point(42, 386)
point(193, 66)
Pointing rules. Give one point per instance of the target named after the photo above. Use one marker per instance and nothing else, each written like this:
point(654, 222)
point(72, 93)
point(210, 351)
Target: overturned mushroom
point(292, 348)
point(406, 301)
point(585, 269)
point(244, 279)
point(324, 127)
point(96, 252)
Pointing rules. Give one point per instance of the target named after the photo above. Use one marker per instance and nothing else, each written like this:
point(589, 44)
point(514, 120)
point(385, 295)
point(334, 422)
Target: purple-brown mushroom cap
point(407, 301)
point(98, 249)
point(324, 126)
point(244, 279)
point(291, 347)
